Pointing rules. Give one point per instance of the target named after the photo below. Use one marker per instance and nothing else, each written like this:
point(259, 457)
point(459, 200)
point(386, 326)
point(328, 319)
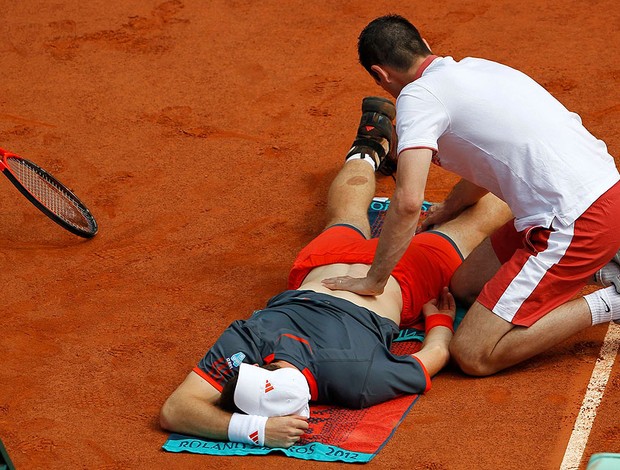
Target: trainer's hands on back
point(284, 431)
point(358, 285)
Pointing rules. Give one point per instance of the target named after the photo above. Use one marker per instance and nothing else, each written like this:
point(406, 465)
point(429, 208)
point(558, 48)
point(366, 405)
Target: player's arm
point(435, 354)
point(463, 195)
point(399, 226)
point(193, 409)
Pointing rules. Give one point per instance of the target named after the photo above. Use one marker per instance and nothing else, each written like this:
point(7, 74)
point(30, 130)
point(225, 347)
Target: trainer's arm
point(399, 227)
point(193, 409)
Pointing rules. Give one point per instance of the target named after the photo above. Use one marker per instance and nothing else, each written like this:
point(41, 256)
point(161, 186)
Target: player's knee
point(471, 361)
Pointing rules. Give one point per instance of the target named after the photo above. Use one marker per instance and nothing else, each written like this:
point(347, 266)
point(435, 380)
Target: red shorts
point(543, 268)
point(425, 268)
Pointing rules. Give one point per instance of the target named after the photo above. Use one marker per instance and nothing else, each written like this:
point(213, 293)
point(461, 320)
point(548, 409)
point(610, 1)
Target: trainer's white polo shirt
point(499, 129)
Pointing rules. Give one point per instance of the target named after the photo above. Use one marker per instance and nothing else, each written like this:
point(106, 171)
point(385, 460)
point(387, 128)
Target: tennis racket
point(48, 194)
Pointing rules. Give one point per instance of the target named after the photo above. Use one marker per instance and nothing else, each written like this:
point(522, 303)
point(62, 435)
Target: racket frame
point(68, 193)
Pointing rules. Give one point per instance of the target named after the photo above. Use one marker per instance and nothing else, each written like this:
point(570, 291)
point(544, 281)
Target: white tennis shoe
point(615, 281)
point(609, 275)
point(603, 277)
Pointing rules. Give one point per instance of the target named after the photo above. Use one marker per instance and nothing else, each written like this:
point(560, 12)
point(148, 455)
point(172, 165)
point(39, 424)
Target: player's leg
point(350, 194)
point(476, 223)
point(354, 187)
point(470, 232)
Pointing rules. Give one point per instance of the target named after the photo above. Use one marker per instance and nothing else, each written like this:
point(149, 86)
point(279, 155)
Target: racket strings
point(48, 192)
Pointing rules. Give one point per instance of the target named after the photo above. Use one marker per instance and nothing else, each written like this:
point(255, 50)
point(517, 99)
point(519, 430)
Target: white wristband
point(248, 429)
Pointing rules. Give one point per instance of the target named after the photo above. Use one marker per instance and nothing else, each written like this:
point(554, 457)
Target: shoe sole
point(377, 104)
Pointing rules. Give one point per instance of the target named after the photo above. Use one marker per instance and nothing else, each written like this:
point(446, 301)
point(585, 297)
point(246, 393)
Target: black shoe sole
point(377, 104)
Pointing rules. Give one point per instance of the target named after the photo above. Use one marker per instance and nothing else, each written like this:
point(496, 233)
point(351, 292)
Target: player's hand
point(357, 285)
point(284, 431)
point(437, 214)
point(445, 305)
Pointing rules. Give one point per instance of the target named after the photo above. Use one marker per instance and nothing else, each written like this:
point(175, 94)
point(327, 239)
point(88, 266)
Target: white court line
point(594, 394)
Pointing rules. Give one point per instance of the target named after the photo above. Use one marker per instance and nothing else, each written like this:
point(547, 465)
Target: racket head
point(49, 195)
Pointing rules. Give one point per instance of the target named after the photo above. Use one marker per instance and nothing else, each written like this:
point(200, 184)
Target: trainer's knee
point(471, 361)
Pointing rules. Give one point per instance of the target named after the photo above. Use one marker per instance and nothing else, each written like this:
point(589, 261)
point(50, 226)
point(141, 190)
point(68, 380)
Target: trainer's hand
point(445, 305)
point(437, 214)
point(357, 285)
point(284, 431)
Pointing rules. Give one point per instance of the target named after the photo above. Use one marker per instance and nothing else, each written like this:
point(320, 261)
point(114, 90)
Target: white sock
point(363, 156)
point(604, 305)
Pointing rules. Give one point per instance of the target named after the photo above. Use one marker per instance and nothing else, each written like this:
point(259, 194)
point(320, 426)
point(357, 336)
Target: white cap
point(269, 393)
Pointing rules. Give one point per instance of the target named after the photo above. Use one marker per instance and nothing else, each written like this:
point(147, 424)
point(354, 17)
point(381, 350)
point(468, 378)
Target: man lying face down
point(311, 343)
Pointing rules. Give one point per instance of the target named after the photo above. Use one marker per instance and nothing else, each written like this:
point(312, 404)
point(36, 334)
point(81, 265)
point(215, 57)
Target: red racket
point(48, 194)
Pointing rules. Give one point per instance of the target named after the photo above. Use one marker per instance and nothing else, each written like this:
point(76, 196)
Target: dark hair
point(227, 398)
point(390, 40)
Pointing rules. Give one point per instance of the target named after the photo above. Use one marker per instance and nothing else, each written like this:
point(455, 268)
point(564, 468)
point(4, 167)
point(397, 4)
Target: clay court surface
point(203, 135)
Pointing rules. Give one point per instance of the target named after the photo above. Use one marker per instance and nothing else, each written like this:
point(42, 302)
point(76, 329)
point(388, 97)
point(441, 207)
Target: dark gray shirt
point(342, 349)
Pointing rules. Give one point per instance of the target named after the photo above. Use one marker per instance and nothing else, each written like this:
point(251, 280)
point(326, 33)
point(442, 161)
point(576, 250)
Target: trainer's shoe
point(375, 126)
point(603, 276)
point(615, 281)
